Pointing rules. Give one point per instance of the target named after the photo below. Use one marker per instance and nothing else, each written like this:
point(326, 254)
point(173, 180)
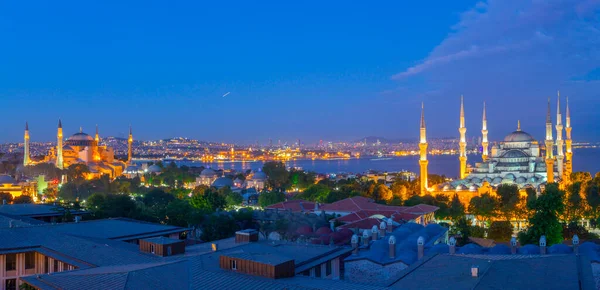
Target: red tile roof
point(365, 224)
point(359, 203)
point(294, 205)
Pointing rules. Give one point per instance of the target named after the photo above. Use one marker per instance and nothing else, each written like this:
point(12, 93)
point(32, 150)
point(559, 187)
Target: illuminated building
point(81, 148)
point(423, 150)
point(518, 160)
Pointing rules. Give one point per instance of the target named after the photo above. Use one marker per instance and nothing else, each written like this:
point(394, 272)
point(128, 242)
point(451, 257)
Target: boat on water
point(381, 159)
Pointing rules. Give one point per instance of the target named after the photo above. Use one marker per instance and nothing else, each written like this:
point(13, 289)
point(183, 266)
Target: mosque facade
point(81, 148)
point(519, 159)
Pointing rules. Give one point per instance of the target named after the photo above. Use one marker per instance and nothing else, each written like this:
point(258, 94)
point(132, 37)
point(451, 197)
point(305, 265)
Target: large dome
point(519, 136)
point(81, 137)
point(7, 179)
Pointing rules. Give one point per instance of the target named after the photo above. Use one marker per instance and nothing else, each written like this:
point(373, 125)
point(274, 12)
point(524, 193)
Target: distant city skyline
point(334, 71)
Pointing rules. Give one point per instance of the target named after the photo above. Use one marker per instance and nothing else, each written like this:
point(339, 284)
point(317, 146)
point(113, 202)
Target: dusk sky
point(331, 70)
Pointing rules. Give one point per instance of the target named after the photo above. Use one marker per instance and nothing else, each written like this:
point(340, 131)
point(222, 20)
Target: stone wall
point(365, 271)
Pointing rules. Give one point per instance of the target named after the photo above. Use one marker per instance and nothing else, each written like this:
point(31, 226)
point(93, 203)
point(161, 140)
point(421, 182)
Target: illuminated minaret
point(463, 141)
point(559, 141)
point(26, 146)
point(59, 146)
point(568, 142)
point(97, 137)
point(423, 150)
point(484, 133)
point(549, 145)
point(129, 144)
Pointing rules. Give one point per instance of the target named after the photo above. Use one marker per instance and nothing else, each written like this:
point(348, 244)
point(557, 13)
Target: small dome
point(519, 136)
point(304, 230)
point(208, 173)
point(514, 154)
point(346, 232)
point(475, 180)
point(154, 169)
point(259, 175)
point(500, 250)
point(497, 180)
point(222, 182)
point(323, 231)
point(559, 249)
point(489, 180)
point(521, 180)
point(588, 247)
point(529, 250)
point(440, 248)
point(7, 179)
point(471, 249)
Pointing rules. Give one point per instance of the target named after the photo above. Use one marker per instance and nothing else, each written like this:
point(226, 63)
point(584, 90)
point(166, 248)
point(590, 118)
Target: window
point(328, 268)
point(11, 262)
point(10, 284)
point(55, 265)
point(233, 264)
point(318, 271)
point(169, 253)
point(46, 264)
point(152, 248)
point(30, 260)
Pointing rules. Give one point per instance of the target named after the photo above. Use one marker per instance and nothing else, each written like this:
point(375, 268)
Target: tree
point(382, 193)
point(233, 199)
point(77, 172)
point(315, 192)
point(483, 206)
point(592, 196)
point(457, 209)
point(463, 229)
point(157, 198)
point(6, 197)
point(544, 221)
point(573, 203)
point(508, 199)
point(209, 201)
point(500, 231)
point(442, 201)
point(270, 197)
point(22, 199)
point(217, 227)
point(581, 176)
point(399, 190)
point(277, 174)
point(180, 213)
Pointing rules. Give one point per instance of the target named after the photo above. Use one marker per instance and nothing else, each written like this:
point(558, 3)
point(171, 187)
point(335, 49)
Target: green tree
point(443, 202)
point(277, 174)
point(574, 203)
point(270, 197)
point(233, 199)
point(508, 199)
point(217, 227)
point(545, 221)
point(22, 199)
point(500, 231)
point(77, 172)
point(181, 213)
point(157, 198)
point(483, 207)
point(592, 197)
point(457, 208)
point(315, 192)
point(209, 201)
point(463, 229)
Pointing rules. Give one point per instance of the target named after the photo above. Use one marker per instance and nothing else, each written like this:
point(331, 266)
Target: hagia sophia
point(81, 148)
point(518, 159)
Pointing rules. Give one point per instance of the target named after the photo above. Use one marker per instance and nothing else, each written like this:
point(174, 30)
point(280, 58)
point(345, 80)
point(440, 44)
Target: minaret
point(549, 147)
point(423, 150)
point(559, 141)
point(26, 159)
point(463, 141)
point(97, 137)
point(59, 146)
point(129, 144)
point(568, 142)
point(484, 133)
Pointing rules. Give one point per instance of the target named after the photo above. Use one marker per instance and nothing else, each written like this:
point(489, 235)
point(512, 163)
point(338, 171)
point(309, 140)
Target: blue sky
point(332, 70)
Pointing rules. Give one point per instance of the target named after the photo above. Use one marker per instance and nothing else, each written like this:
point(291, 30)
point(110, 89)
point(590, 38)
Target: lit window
point(151, 248)
point(233, 264)
point(10, 284)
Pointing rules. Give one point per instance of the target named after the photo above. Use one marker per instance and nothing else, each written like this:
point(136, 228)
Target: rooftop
point(31, 210)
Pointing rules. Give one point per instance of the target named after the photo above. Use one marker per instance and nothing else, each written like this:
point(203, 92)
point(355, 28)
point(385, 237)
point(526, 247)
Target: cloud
point(511, 27)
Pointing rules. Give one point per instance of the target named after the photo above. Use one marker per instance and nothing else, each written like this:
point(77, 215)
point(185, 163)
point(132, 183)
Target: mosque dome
point(519, 136)
point(80, 137)
point(208, 173)
point(222, 182)
point(154, 169)
point(259, 175)
point(7, 179)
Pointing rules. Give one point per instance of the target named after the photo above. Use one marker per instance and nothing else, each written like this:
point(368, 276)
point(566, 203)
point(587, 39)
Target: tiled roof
point(294, 205)
point(360, 203)
point(515, 272)
point(31, 210)
point(365, 224)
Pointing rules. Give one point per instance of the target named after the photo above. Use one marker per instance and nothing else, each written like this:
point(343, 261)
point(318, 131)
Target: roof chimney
point(354, 243)
point(543, 245)
point(382, 228)
point(390, 224)
point(365, 237)
point(77, 218)
point(332, 225)
point(11, 224)
point(215, 247)
point(392, 245)
point(452, 245)
point(3, 201)
point(374, 233)
point(513, 245)
point(474, 271)
point(420, 247)
point(576, 244)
